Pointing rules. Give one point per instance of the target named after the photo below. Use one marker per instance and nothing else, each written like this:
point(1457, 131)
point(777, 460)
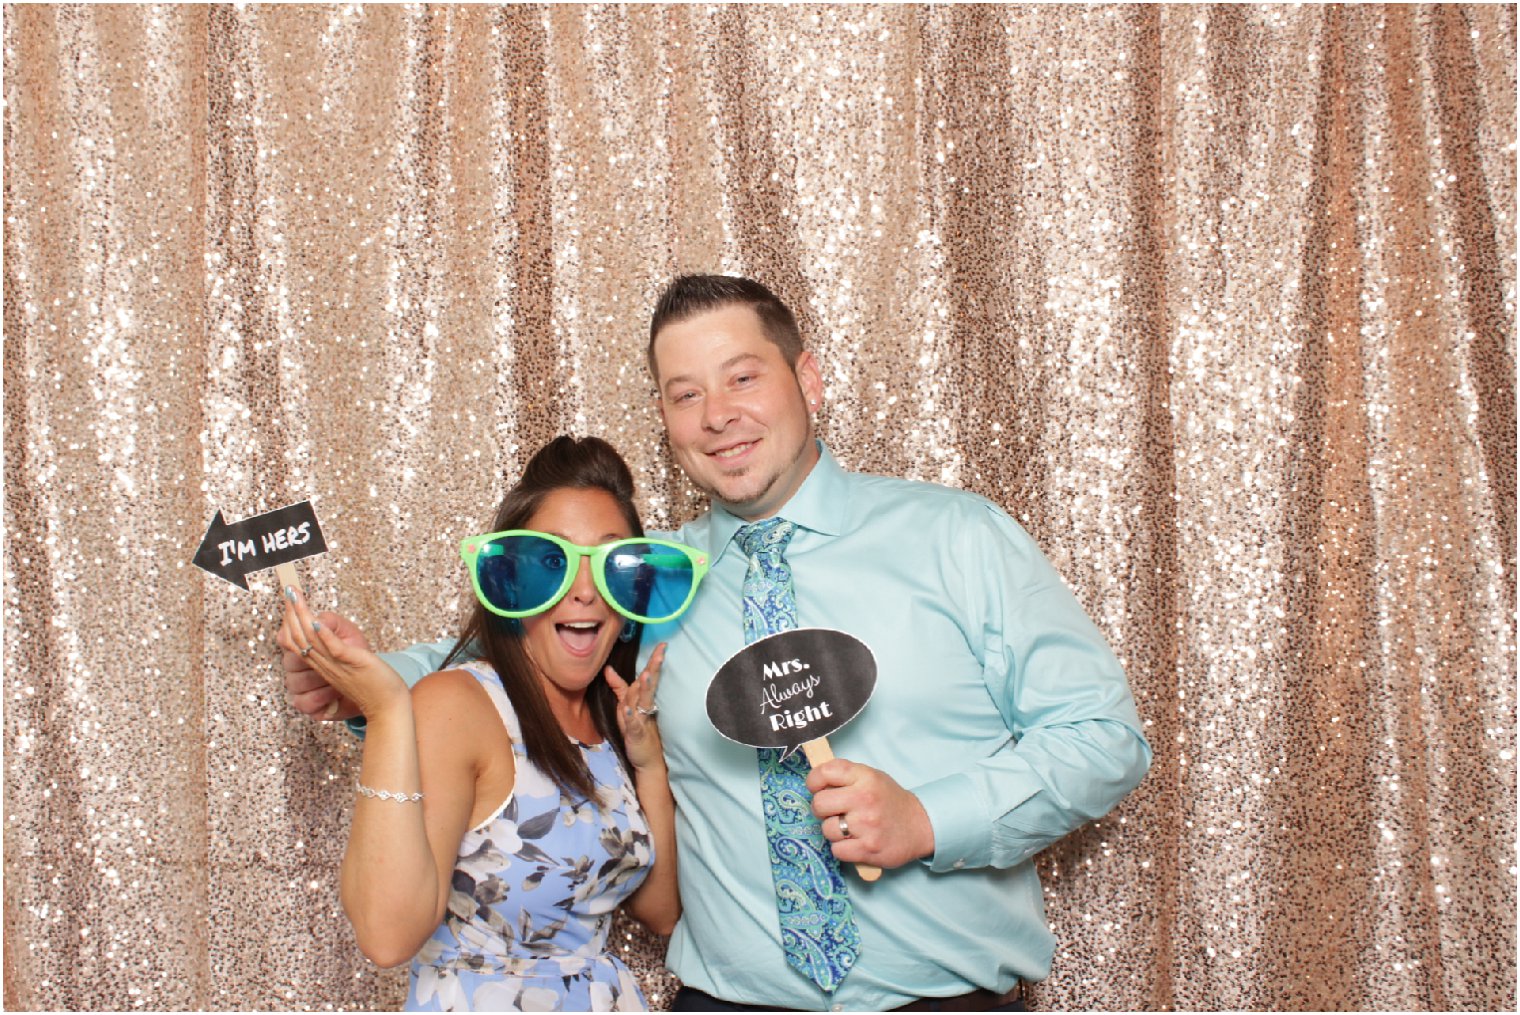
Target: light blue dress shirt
point(997, 702)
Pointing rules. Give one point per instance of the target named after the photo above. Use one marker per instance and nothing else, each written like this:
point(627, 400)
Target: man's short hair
point(690, 295)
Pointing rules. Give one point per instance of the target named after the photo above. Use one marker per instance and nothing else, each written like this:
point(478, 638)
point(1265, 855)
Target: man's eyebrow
point(727, 364)
point(736, 360)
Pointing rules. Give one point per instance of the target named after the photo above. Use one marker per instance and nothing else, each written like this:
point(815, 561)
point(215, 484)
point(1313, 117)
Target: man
point(1000, 719)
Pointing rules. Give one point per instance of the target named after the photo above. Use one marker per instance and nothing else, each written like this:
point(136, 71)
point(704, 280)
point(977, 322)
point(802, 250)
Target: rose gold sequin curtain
point(1219, 301)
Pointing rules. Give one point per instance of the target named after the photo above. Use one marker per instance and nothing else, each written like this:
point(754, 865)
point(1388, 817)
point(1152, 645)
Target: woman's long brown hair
point(586, 463)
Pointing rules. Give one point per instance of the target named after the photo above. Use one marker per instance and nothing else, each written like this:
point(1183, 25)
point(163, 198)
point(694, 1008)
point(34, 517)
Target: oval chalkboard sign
point(792, 687)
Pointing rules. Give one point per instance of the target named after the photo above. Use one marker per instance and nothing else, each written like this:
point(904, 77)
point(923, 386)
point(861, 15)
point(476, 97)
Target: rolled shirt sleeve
point(418, 661)
point(1075, 746)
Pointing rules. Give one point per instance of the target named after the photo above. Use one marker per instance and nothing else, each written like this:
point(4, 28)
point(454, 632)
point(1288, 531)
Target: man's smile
point(733, 450)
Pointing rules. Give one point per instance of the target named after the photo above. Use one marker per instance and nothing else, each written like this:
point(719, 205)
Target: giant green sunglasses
point(521, 573)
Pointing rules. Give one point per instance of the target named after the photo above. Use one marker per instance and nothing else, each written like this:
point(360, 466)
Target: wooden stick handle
point(286, 575)
point(818, 751)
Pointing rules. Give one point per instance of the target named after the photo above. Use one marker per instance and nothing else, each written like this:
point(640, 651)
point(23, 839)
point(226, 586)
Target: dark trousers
point(688, 999)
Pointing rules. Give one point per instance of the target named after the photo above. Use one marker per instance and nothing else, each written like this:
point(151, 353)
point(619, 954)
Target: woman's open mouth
point(579, 636)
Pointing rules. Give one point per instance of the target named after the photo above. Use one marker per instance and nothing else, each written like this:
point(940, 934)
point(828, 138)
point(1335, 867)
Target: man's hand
point(887, 825)
point(308, 691)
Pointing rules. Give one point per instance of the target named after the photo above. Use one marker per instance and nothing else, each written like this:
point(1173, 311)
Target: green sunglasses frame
point(470, 550)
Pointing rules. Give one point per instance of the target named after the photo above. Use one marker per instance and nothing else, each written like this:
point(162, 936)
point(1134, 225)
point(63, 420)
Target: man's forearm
point(418, 661)
point(1005, 808)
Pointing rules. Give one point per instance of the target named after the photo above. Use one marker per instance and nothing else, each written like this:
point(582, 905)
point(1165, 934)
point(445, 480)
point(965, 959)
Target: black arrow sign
point(276, 537)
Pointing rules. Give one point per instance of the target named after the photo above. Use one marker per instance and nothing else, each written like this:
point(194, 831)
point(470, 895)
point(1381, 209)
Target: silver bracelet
point(385, 794)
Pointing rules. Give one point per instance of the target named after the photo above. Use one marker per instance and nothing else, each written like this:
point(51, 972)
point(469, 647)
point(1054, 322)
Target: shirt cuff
point(962, 829)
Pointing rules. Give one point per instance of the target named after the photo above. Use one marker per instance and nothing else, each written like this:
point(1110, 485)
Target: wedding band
point(844, 827)
point(651, 710)
point(306, 652)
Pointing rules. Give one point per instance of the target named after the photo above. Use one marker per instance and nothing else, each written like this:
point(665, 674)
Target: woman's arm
point(399, 864)
point(657, 903)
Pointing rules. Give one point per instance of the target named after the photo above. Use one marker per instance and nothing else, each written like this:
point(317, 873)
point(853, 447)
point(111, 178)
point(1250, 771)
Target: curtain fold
point(1217, 301)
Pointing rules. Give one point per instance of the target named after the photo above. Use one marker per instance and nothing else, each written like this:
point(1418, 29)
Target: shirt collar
point(819, 505)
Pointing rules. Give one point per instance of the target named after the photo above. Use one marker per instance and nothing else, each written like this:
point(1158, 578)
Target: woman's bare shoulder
point(454, 699)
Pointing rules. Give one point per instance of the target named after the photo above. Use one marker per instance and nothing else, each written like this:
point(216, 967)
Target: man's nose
point(718, 411)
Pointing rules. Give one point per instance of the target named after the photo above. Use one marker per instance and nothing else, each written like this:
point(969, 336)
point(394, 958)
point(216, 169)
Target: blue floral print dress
point(534, 891)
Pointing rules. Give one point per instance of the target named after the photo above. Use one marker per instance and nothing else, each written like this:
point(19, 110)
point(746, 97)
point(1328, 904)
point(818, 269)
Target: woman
point(509, 804)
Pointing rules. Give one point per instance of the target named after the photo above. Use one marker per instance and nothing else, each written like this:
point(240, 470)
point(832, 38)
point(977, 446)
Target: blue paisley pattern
point(818, 928)
point(534, 890)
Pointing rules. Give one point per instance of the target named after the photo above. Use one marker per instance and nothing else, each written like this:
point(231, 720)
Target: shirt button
point(959, 864)
point(837, 1007)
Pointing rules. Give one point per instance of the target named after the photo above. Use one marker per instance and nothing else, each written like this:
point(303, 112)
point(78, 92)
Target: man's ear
point(654, 375)
point(809, 380)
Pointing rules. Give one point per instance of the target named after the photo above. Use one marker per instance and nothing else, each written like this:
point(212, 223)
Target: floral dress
point(534, 890)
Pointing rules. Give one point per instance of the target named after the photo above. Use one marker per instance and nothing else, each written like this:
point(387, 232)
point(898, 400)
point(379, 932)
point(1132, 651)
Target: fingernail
point(290, 593)
point(316, 625)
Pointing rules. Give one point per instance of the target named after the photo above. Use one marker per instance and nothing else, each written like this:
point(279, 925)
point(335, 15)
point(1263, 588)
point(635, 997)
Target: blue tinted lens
point(521, 573)
point(649, 580)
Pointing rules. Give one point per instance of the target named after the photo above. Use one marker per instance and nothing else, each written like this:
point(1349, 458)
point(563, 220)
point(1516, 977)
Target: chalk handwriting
point(773, 671)
point(801, 717)
point(241, 547)
point(774, 697)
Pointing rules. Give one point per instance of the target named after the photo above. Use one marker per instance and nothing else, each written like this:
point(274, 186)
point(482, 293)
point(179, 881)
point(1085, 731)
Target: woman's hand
point(636, 712)
point(308, 692)
point(348, 666)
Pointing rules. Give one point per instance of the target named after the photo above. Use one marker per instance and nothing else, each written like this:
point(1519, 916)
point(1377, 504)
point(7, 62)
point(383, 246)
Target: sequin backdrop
point(1219, 302)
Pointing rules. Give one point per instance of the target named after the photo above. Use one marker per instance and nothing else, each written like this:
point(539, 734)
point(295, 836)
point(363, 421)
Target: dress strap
point(484, 673)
